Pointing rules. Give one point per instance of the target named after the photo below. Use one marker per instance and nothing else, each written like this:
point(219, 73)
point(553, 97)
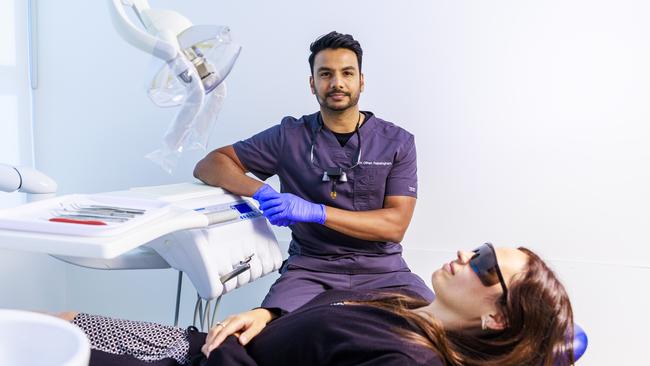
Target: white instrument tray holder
point(33, 217)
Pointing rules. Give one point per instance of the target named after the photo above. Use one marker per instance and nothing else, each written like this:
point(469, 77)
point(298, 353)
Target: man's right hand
point(222, 168)
point(244, 326)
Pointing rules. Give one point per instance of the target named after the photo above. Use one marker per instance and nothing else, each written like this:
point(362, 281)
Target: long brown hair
point(539, 327)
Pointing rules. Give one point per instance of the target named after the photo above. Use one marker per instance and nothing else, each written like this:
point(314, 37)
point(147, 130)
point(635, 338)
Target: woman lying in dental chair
point(500, 306)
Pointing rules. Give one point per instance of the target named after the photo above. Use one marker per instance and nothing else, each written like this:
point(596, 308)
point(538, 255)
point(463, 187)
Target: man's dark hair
point(334, 40)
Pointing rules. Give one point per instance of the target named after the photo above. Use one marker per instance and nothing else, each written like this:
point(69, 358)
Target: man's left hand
point(286, 209)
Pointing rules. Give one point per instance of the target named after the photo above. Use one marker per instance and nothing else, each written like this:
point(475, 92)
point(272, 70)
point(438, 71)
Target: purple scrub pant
point(296, 286)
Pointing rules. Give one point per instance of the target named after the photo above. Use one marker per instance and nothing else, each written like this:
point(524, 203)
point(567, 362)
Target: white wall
point(530, 119)
point(27, 280)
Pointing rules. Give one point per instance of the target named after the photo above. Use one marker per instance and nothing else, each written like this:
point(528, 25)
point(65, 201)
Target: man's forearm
point(386, 224)
point(219, 170)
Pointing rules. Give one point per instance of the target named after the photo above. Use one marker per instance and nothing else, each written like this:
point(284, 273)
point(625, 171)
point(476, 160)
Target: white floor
point(610, 301)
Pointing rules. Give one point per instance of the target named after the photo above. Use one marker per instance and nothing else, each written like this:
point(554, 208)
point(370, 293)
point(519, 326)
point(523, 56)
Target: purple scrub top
point(387, 167)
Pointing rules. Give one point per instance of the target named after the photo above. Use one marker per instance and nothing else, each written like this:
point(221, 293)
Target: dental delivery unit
point(221, 241)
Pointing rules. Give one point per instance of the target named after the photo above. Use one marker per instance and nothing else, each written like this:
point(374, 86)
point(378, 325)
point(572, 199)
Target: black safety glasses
point(484, 263)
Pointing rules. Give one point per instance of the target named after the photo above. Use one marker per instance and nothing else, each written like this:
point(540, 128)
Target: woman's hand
point(244, 326)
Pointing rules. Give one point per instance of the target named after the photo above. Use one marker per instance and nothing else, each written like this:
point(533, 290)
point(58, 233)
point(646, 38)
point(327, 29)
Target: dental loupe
point(190, 65)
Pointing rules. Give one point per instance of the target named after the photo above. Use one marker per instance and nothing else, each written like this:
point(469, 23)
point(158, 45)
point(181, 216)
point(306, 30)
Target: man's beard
point(354, 99)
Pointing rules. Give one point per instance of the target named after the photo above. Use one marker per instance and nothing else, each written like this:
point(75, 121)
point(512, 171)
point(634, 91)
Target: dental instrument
point(76, 221)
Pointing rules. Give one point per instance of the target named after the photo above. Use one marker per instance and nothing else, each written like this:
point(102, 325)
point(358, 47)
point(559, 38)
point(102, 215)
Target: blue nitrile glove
point(289, 208)
point(265, 193)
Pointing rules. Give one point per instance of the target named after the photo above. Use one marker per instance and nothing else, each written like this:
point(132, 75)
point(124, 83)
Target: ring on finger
point(220, 324)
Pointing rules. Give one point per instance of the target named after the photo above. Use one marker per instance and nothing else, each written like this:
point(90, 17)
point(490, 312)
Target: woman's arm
point(230, 352)
point(400, 359)
point(244, 326)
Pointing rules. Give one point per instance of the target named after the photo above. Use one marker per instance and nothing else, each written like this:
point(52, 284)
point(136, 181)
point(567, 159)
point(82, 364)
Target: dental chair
point(580, 342)
point(221, 241)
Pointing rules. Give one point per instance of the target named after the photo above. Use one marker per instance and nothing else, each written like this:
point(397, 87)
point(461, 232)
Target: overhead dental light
point(193, 61)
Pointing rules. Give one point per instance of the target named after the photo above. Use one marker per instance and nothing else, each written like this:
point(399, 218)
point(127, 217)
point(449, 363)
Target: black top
point(326, 332)
point(344, 137)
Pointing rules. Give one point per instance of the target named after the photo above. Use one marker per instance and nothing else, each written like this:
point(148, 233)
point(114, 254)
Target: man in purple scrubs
point(348, 185)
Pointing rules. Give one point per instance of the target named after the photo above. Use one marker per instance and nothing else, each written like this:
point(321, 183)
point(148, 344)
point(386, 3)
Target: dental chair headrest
point(580, 342)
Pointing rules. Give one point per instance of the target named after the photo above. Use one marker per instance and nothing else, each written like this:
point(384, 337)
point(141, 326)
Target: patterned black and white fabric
point(145, 341)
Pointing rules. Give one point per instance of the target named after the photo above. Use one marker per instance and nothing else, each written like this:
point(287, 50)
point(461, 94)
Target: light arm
point(25, 179)
point(165, 49)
